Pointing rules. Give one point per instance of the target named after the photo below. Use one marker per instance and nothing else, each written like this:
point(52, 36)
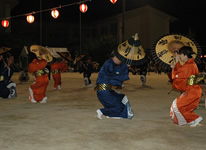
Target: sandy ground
point(68, 122)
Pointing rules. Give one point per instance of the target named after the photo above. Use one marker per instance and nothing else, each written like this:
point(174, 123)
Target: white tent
point(23, 59)
point(54, 50)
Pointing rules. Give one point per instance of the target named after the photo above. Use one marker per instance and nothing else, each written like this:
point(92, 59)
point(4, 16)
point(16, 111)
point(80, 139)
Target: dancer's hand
point(172, 65)
point(176, 57)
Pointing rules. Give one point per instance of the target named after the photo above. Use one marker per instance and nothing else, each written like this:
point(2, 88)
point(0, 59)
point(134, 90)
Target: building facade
point(148, 22)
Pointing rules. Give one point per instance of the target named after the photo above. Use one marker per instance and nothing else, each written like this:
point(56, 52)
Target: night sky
point(189, 12)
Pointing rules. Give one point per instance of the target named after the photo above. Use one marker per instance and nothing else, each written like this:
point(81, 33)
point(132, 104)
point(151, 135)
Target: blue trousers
point(112, 102)
point(4, 91)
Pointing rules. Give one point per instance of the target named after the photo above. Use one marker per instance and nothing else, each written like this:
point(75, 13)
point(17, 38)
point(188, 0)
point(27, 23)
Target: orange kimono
point(38, 88)
point(56, 69)
point(181, 111)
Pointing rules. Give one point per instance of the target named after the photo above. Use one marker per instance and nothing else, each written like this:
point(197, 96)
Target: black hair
point(5, 56)
point(186, 50)
point(112, 53)
point(31, 57)
point(58, 60)
point(54, 59)
point(89, 58)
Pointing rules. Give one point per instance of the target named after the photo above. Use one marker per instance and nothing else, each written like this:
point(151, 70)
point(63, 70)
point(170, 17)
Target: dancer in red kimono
point(38, 89)
point(185, 79)
point(56, 68)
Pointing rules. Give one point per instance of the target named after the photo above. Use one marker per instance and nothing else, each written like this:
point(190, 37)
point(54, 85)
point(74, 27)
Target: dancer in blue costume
point(7, 87)
point(116, 105)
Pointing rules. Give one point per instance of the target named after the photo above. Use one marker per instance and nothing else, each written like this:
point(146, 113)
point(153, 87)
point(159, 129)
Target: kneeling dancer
point(116, 105)
point(185, 78)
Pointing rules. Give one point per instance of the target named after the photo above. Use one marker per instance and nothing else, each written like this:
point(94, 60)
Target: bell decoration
point(164, 48)
point(131, 52)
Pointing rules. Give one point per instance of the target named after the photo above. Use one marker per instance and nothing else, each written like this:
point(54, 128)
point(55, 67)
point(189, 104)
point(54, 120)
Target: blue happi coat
point(113, 74)
point(7, 74)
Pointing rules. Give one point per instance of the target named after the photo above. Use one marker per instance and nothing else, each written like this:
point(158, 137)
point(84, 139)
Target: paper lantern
point(30, 18)
point(83, 8)
point(113, 1)
point(55, 13)
point(5, 23)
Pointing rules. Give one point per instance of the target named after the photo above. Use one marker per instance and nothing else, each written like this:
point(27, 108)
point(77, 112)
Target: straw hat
point(4, 50)
point(131, 52)
point(41, 52)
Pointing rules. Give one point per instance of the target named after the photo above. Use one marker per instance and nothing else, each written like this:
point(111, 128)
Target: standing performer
point(185, 79)
point(143, 73)
point(24, 76)
point(140, 70)
point(87, 69)
point(38, 68)
point(56, 68)
point(7, 87)
point(116, 104)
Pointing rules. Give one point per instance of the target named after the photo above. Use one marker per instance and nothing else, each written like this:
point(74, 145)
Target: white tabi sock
point(143, 79)
point(44, 100)
point(99, 114)
point(31, 96)
point(196, 122)
point(12, 90)
point(86, 81)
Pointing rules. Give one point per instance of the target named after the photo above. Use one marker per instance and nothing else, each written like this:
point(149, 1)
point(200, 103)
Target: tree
point(100, 49)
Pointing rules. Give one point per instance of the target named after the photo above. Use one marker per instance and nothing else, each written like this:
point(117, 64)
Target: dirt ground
point(67, 121)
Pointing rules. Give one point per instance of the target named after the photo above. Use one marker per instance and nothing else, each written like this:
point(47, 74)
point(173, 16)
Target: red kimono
point(181, 111)
point(56, 69)
point(38, 88)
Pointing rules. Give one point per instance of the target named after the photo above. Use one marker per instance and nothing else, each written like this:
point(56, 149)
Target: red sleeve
point(63, 66)
point(54, 66)
point(36, 65)
point(180, 74)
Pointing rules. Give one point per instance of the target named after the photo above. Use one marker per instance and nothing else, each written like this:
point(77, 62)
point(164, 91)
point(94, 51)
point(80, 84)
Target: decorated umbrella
point(131, 52)
point(165, 47)
point(4, 50)
point(41, 52)
point(78, 58)
point(65, 55)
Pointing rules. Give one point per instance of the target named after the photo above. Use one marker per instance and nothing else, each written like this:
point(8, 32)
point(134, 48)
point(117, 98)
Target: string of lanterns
point(54, 12)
